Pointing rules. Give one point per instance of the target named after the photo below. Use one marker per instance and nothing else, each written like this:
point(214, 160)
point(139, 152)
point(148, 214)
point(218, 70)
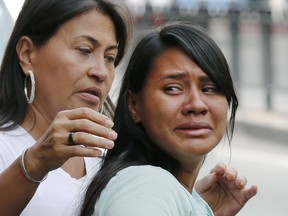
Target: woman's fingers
point(219, 169)
point(78, 132)
point(90, 140)
point(91, 128)
point(89, 114)
point(231, 174)
point(240, 182)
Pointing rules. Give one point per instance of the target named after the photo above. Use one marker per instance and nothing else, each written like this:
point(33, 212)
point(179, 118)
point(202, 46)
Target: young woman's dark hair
point(133, 146)
point(40, 20)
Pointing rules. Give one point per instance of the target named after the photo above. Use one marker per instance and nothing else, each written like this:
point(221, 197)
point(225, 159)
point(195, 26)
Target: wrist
point(35, 176)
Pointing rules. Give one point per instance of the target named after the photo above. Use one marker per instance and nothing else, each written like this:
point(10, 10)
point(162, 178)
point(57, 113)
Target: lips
point(194, 129)
point(92, 94)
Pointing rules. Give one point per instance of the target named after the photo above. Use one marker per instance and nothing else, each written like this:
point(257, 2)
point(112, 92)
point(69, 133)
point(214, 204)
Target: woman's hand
point(224, 190)
point(91, 130)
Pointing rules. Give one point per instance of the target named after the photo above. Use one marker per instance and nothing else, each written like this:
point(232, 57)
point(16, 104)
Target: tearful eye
point(173, 90)
point(209, 89)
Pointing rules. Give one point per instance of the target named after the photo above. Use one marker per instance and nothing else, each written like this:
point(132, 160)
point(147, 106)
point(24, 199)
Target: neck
point(35, 123)
point(187, 177)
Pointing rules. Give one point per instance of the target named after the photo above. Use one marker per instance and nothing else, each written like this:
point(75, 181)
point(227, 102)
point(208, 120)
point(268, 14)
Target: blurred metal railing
point(202, 14)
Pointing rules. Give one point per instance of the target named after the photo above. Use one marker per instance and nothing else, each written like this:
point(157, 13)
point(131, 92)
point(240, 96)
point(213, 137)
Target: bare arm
point(50, 152)
point(16, 190)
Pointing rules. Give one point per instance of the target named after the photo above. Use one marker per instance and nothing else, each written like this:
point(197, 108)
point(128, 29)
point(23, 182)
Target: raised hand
point(224, 190)
point(92, 130)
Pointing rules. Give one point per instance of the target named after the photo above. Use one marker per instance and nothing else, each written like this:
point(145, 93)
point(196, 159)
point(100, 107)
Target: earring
point(135, 117)
point(32, 83)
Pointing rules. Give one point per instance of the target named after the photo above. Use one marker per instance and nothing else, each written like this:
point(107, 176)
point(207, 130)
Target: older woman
point(56, 74)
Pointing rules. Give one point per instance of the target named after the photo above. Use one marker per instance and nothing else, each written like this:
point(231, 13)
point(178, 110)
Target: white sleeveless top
point(59, 194)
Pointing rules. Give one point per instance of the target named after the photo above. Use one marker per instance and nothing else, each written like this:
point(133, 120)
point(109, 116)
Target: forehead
point(175, 63)
point(93, 23)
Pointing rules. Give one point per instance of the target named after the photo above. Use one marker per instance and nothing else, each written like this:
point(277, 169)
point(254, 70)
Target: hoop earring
point(32, 83)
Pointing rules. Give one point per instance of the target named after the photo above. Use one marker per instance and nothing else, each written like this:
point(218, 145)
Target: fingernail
point(103, 151)
point(112, 135)
point(109, 144)
point(109, 123)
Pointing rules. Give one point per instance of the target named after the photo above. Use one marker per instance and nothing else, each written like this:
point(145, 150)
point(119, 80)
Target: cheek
point(59, 80)
point(221, 117)
point(153, 109)
point(156, 119)
point(111, 77)
point(56, 69)
point(108, 83)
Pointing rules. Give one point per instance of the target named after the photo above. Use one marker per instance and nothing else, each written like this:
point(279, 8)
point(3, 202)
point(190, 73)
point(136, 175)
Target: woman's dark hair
point(40, 20)
point(133, 146)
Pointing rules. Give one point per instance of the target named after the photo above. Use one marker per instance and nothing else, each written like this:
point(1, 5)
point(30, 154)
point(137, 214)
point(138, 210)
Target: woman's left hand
point(225, 191)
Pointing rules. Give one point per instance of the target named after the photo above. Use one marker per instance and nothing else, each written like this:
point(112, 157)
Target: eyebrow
point(205, 78)
point(177, 75)
point(96, 42)
point(181, 75)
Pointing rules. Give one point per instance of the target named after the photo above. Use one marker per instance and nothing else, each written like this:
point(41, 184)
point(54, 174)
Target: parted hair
point(40, 20)
point(133, 146)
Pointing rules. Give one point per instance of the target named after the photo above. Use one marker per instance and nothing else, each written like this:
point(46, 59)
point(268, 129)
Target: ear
point(24, 49)
point(132, 103)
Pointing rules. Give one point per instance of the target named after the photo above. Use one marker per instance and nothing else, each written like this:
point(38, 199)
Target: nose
point(195, 104)
point(99, 70)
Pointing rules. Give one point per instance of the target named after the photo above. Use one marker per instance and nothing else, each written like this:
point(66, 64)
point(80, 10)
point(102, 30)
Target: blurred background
point(253, 35)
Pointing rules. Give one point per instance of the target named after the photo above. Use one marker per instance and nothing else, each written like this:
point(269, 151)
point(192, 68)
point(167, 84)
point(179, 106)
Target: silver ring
point(71, 138)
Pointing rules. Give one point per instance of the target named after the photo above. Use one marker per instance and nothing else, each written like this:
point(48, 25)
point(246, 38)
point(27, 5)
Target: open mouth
point(92, 94)
point(193, 129)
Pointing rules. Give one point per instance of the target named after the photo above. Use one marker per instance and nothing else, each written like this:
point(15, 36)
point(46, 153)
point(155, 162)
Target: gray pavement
point(264, 163)
point(264, 124)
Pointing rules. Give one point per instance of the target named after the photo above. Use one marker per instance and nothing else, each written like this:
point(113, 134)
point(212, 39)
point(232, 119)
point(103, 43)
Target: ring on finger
point(71, 138)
